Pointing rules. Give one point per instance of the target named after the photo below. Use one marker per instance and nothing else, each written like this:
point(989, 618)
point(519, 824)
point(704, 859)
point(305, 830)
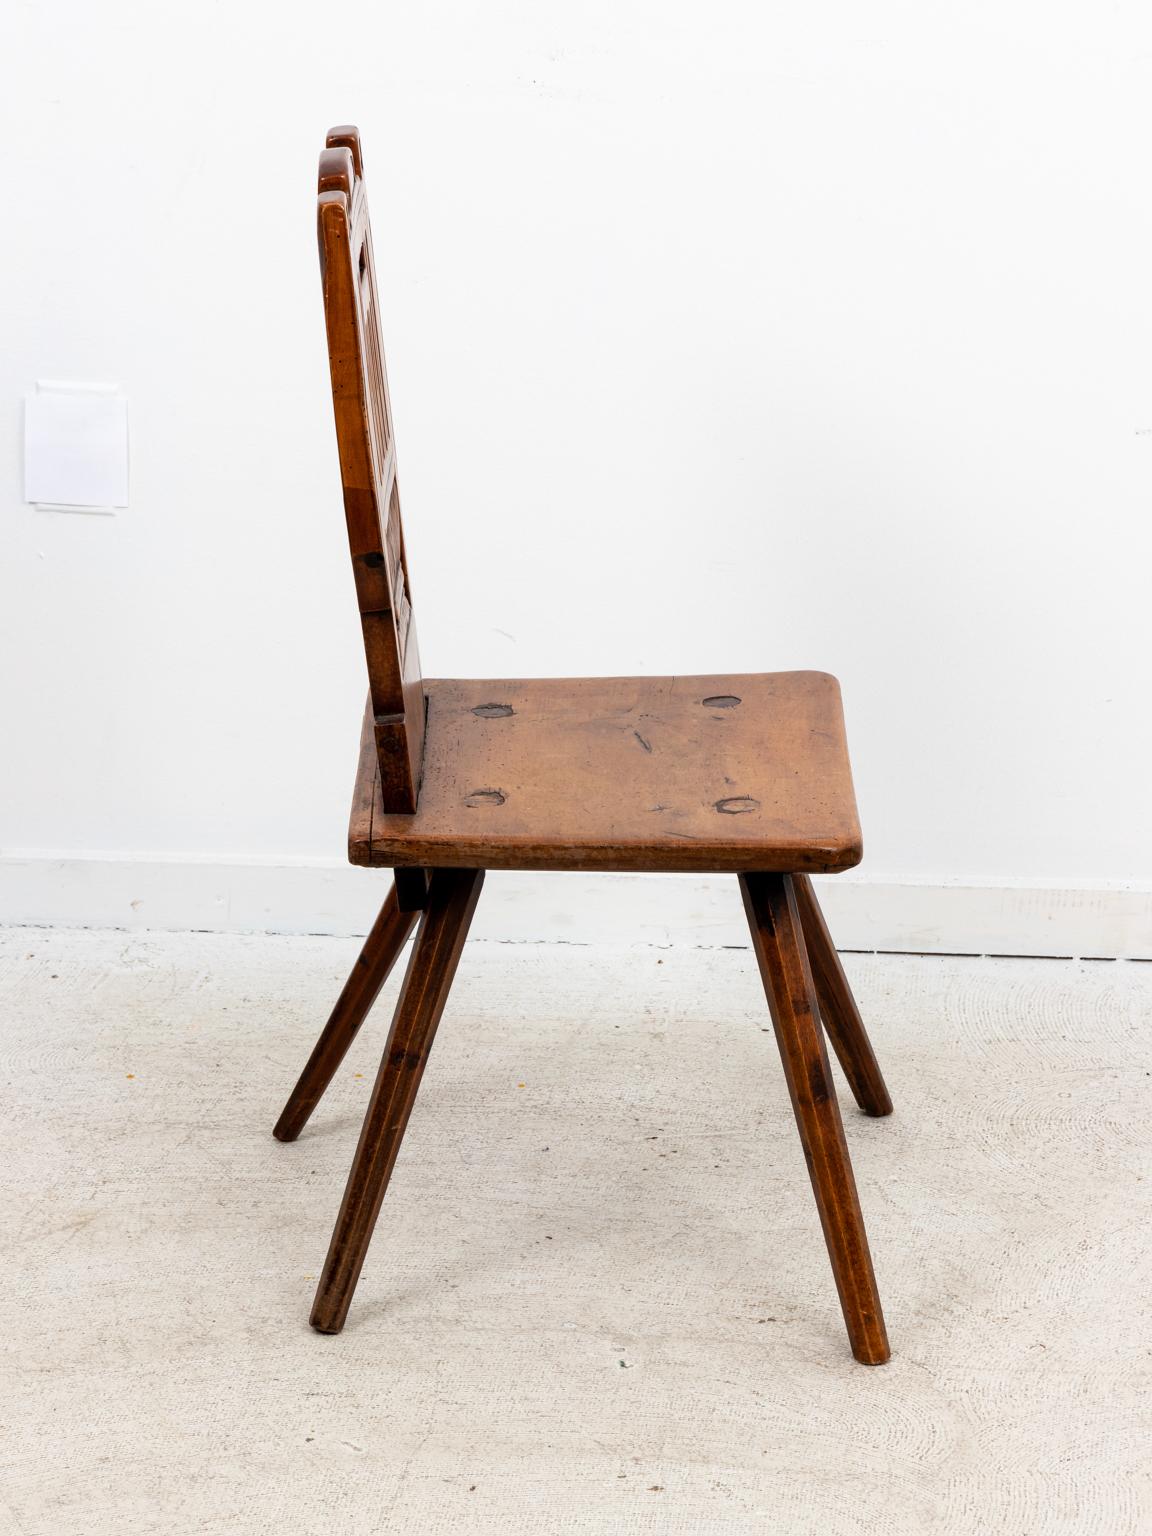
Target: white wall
point(736, 338)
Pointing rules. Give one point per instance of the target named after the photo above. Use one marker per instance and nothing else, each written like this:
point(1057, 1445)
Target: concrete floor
point(598, 1300)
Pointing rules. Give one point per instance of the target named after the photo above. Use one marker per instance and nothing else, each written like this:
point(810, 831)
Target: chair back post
point(368, 469)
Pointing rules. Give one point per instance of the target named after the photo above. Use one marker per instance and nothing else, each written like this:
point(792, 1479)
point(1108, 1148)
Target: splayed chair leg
point(777, 937)
point(381, 950)
point(838, 1010)
point(452, 897)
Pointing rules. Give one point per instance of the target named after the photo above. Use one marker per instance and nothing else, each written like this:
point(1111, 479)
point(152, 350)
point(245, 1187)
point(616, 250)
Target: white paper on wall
point(76, 446)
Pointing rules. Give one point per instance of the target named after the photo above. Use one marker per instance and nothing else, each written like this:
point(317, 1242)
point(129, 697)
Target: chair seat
point(735, 773)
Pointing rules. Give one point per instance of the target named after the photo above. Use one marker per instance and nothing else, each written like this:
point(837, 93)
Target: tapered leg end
point(879, 1108)
point(873, 1349)
point(321, 1325)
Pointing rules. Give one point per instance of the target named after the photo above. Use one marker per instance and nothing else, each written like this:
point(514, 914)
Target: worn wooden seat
point(746, 775)
point(640, 773)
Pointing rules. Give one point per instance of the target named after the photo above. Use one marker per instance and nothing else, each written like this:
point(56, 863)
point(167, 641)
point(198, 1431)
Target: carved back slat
point(368, 469)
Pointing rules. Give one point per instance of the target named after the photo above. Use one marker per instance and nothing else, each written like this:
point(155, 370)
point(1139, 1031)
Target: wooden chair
point(746, 775)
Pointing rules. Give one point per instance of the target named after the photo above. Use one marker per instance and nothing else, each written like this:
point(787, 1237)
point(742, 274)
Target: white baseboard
point(864, 912)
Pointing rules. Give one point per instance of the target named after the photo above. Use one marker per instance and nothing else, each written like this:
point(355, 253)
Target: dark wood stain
point(381, 950)
point(555, 783)
point(778, 940)
point(838, 1010)
point(411, 889)
point(451, 902)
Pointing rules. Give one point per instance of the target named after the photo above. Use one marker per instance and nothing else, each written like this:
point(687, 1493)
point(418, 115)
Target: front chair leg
point(381, 950)
point(770, 902)
point(838, 1007)
point(452, 897)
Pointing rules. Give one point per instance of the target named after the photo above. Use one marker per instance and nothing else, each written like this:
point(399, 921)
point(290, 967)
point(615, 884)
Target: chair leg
point(452, 897)
point(381, 950)
point(770, 902)
point(842, 1021)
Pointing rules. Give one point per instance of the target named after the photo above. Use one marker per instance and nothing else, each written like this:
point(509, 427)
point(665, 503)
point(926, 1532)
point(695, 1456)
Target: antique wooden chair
point(746, 775)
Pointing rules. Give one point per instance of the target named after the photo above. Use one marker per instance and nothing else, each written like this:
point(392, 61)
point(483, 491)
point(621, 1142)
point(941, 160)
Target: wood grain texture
point(662, 773)
point(452, 897)
point(838, 1010)
point(777, 937)
point(367, 448)
point(746, 774)
point(373, 965)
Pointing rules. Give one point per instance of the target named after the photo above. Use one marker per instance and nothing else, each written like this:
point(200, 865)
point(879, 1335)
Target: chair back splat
point(368, 470)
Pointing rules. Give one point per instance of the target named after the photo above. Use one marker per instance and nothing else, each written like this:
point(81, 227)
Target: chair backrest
point(368, 469)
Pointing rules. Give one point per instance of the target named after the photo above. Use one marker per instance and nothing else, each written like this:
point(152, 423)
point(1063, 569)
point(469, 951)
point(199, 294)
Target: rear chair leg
point(777, 937)
point(381, 950)
point(452, 897)
point(838, 1007)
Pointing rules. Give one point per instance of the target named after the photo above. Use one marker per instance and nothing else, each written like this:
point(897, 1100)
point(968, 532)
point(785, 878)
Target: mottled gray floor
point(598, 1300)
